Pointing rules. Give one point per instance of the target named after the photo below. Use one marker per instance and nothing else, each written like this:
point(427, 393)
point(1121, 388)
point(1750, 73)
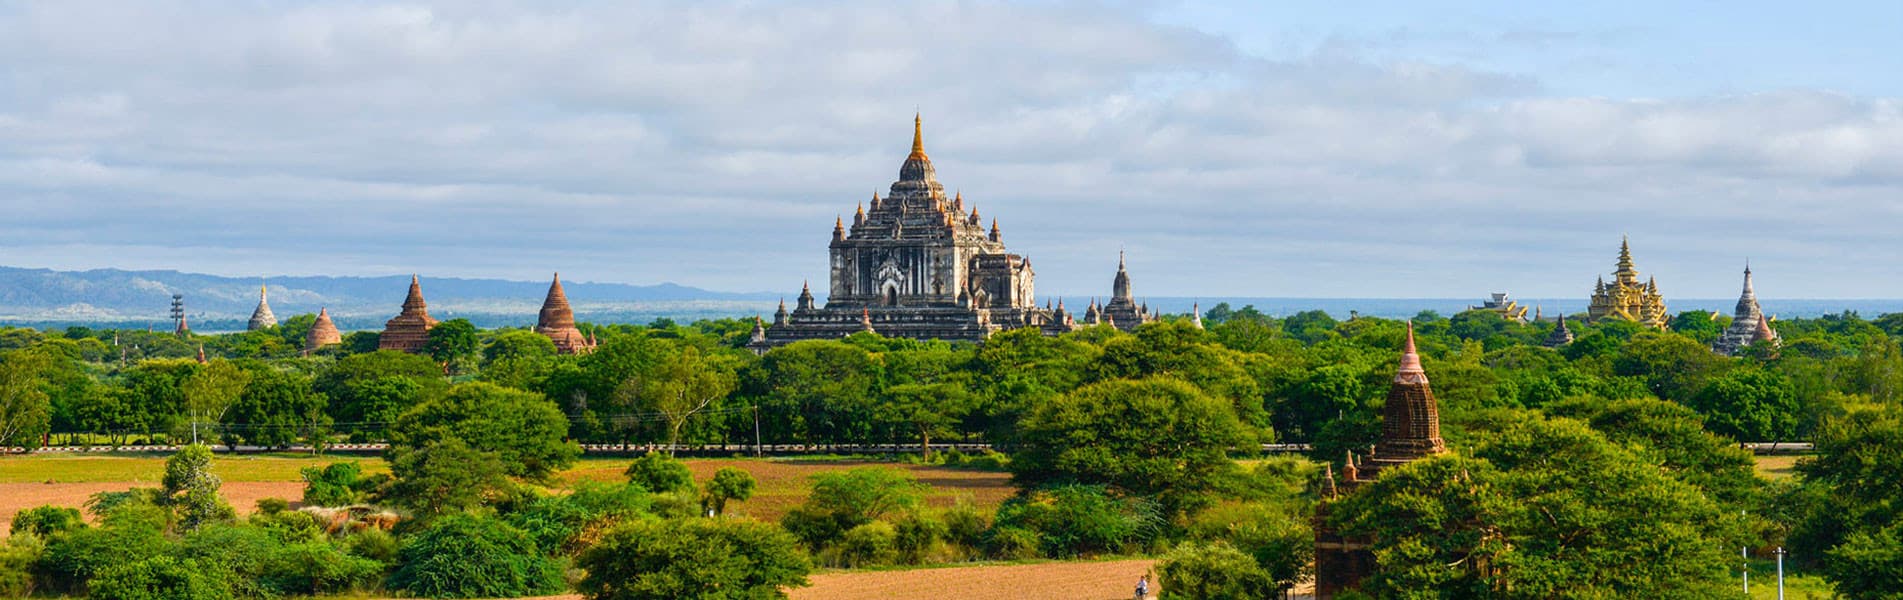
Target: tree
point(693, 559)
point(453, 344)
point(683, 383)
point(376, 387)
point(842, 500)
point(1854, 520)
point(821, 388)
point(524, 430)
point(660, 473)
point(1751, 405)
point(465, 556)
point(1158, 438)
point(192, 489)
point(44, 521)
point(1543, 509)
point(211, 391)
point(924, 409)
point(277, 408)
point(1217, 571)
point(729, 483)
point(447, 475)
point(25, 408)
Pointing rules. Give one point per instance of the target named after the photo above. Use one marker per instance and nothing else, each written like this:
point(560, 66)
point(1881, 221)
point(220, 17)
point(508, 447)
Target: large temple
point(261, 317)
point(1626, 298)
point(1122, 311)
point(1410, 431)
point(1748, 325)
point(557, 321)
point(917, 263)
point(409, 330)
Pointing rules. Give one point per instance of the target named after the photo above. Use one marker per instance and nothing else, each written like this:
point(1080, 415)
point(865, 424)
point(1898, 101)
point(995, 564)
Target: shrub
point(965, 525)
point(868, 545)
point(159, 578)
point(916, 537)
point(1216, 571)
point(310, 568)
point(374, 544)
point(17, 558)
point(289, 525)
point(447, 476)
point(237, 554)
point(728, 483)
point(660, 473)
point(44, 521)
point(272, 506)
point(693, 558)
point(1014, 543)
point(1074, 520)
point(192, 489)
point(842, 500)
point(74, 557)
point(336, 484)
point(463, 556)
point(565, 524)
point(1278, 539)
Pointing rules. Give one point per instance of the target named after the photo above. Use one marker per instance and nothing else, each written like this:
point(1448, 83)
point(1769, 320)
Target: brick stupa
point(323, 332)
point(409, 330)
point(558, 322)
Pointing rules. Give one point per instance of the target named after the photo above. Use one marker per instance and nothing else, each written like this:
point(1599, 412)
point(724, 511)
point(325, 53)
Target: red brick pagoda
point(409, 330)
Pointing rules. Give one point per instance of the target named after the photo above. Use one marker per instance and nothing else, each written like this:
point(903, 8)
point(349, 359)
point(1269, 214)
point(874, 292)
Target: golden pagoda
point(1626, 298)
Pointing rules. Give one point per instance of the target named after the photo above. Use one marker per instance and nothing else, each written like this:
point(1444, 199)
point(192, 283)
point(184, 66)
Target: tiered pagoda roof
point(409, 330)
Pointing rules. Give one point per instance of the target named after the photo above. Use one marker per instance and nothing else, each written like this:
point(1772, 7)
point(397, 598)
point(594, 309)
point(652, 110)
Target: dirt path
point(1108, 580)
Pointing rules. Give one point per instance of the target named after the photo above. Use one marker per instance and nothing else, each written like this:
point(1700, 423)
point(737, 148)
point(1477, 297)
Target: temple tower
point(557, 321)
point(409, 330)
point(1626, 298)
point(1561, 335)
point(1410, 431)
point(261, 317)
point(1748, 323)
point(1122, 310)
point(323, 332)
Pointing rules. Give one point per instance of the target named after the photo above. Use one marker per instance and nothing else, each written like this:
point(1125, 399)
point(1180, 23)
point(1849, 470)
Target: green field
point(149, 468)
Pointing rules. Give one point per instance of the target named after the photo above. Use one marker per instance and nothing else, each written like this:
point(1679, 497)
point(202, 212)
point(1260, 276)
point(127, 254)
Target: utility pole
point(756, 431)
point(1747, 570)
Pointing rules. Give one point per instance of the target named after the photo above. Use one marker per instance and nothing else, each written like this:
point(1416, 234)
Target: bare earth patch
point(243, 495)
point(783, 484)
point(1107, 580)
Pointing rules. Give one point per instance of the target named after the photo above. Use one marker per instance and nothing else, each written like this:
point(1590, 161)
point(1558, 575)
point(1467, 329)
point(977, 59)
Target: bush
point(1216, 571)
point(73, 558)
point(660, 473)
point(372, 543)
point(336, 484)
point(272, 506)
point(842, 500)
point(917, 537)
point(447, 476)
point(693, 558)
point(17, 558)
point(289, 525)
point(1014, 543)
point(311, 568)
point(44, 521)
point(868, 545)
point(568, 523)
point(728, 484)
point(1275, 536)
point(159, 578)
point(463, 556)
point(965, 526)
point(1075, 520)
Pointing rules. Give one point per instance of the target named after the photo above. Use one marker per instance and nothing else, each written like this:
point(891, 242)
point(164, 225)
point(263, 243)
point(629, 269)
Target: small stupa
point(557, 321)
point(409, 330)
point(262, 317)
point(323, 332)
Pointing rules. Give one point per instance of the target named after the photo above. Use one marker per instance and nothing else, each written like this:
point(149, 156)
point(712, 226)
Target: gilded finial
point(918, 137)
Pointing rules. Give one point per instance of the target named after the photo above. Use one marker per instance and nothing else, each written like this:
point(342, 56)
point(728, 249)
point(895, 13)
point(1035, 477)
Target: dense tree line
point(1568, 465)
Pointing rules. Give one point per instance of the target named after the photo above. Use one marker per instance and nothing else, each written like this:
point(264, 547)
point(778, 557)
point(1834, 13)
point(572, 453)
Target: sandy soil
point(243, 495)
point(1109, 580)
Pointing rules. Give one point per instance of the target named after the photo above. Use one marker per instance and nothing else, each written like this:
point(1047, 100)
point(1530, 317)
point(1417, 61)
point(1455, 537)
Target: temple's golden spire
point(918, 138)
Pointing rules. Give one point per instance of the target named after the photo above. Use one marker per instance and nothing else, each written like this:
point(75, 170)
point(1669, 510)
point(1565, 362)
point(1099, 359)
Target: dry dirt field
point(67, 480)
point(1108, 580)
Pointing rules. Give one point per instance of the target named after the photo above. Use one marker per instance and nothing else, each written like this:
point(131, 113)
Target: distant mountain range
point(42, 297)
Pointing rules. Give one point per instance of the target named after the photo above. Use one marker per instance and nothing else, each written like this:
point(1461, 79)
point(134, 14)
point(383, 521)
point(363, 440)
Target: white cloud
point(711, 143)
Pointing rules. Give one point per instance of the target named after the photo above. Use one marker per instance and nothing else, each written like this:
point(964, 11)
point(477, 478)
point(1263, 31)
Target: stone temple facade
point(322, 333)
point(917, 263)
point(261, 317)
point(409, 330)
point(1627, 299)
point(1748, 324)
point(557, 321)
point(1410, 431)
point(1122, 311)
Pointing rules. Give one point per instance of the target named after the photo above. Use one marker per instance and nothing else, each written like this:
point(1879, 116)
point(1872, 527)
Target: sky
point(1285, 149)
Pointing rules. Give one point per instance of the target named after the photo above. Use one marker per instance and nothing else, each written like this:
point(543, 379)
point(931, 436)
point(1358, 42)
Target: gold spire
point(918, 138)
